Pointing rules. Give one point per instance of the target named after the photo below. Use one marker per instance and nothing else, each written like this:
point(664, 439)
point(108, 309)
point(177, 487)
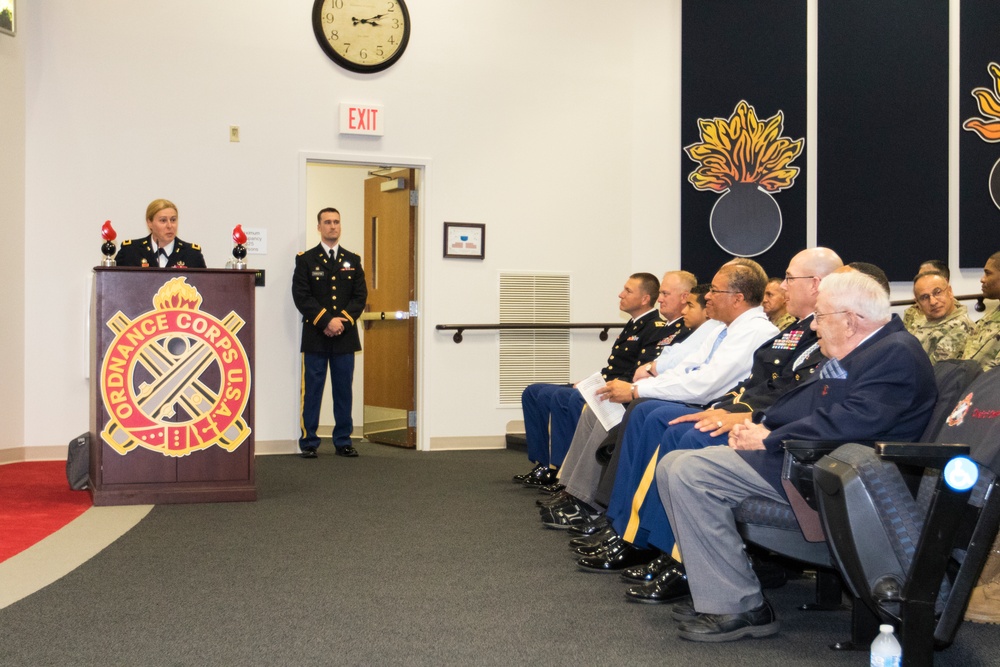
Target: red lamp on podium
point(108, 249)
point(239, 250)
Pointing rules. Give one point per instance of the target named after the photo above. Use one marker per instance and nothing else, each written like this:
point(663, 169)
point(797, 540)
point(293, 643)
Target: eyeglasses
point(925, 298)
point(820, 316)
point(712, 290)
point(789, 278)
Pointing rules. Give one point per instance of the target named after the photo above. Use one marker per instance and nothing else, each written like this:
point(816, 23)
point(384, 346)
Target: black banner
point(743, 125)
point(979, 143)
point(882, 160)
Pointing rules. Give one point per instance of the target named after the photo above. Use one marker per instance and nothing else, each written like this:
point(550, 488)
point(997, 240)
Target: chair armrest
point(926, 454)
point(810, 451)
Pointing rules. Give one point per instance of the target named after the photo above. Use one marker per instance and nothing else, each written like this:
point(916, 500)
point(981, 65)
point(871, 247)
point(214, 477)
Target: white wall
point(12, 262)
point(527, 126)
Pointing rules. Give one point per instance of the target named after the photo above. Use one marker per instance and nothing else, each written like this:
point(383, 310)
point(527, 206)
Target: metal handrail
point(459, 328)
point(979, 307)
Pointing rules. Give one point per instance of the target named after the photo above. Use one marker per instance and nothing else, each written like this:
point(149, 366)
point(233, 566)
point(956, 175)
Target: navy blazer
point(889, 393)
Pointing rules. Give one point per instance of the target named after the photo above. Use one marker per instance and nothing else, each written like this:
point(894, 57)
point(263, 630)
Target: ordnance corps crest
point(176, 379)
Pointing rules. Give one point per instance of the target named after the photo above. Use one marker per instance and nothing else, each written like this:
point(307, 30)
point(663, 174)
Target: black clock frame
point(320, 32)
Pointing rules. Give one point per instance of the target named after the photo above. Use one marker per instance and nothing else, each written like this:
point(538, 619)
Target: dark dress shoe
point(348, 451)
point(616, 558)
point(540, 478)
point(573, 515)
point(552, 488)
point(683, 611)
point(308, 453)
point(590, 528)
point(612, 542)
point(551, 501)
point(759, 622)
point(519, 479)
point(670, 586)
point(641, 574)
point(596, 539)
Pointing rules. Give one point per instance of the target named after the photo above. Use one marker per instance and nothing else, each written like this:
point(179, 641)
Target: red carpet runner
point(35, 501)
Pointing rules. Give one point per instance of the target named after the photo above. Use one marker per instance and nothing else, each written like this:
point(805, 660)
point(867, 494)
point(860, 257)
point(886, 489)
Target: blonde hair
point(158, 205)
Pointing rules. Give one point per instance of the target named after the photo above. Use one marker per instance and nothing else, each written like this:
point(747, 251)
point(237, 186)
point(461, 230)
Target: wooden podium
point(172, 401)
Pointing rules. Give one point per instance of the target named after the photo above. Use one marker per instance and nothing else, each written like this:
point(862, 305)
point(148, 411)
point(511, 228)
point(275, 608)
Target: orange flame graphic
point(743, 149)
point(987, 128)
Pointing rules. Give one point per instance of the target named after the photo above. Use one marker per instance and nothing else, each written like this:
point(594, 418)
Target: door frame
point(423, 165)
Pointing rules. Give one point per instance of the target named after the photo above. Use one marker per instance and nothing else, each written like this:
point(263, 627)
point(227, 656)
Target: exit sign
point(361, 119)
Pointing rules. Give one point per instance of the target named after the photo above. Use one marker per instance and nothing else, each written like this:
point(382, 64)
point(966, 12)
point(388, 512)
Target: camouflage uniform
point(945, 338)
point(983, 343)
point(785, 321)
point(913, 317)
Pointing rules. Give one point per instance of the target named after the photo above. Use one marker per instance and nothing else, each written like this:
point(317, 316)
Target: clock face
point(362, 35)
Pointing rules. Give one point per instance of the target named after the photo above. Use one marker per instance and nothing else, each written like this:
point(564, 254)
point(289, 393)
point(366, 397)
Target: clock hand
point(373, 21)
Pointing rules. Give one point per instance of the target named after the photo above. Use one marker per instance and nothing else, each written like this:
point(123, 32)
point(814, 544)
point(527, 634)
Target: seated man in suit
point(561, 405)
point(877, 384)
point(161, 248)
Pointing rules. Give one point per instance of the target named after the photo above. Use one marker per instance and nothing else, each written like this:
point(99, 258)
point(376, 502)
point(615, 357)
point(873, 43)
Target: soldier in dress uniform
point(946, 324)
point(328, 287)
point(161, 248)
point(983, 344)
point(562, 404)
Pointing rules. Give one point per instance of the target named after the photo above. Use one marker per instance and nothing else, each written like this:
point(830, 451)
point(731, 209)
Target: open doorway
point(379, 216)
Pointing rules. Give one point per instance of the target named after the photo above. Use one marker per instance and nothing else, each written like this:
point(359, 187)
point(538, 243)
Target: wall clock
point(362, 35)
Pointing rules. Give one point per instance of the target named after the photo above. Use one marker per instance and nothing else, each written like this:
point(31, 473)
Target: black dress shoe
point(541, 478)
point(519, 479)
point(670, 586)
point(551, 501)
point(575, 514)
point(590, 528)
point(308, 453)
point(615, 558)
point(598, 538)
point(641, 574)
point(683, 611)
point(348, 451)
point(611, 542)
point(552, 488)
point(759, 622)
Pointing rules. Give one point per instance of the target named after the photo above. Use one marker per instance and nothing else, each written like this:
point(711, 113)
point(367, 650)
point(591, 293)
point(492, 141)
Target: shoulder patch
point(126, 242)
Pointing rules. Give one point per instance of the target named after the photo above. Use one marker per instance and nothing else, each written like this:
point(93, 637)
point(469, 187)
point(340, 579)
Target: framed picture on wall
point(465, 240)
point(8, 25)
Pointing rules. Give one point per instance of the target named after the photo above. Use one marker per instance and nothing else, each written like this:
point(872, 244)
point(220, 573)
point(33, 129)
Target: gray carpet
point(394, 558)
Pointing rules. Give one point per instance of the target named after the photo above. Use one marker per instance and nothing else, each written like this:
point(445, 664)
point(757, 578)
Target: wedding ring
point(719, 423)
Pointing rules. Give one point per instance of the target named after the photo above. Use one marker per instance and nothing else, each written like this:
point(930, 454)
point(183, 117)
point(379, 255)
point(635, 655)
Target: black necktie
point(161, 253)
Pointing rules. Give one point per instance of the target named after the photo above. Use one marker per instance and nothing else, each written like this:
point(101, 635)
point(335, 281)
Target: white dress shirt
point(702, 375)
point(675, 354)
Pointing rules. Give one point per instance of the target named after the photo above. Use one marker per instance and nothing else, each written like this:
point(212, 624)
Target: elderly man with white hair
point(877, 383)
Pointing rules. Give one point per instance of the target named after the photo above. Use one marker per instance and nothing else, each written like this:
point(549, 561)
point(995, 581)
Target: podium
point(172, 399)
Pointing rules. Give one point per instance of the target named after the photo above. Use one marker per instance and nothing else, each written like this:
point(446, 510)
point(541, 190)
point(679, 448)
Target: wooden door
point(389, 332)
